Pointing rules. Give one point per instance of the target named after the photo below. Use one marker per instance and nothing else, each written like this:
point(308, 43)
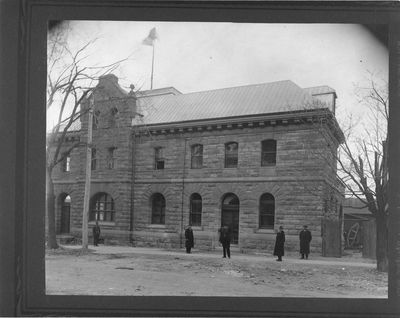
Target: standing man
point(189, 239)
point(305, 239)
point(279, 249)
point(96, 234)
point(225, 240)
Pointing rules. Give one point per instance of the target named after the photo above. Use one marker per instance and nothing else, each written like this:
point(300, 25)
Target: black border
point(29, 272)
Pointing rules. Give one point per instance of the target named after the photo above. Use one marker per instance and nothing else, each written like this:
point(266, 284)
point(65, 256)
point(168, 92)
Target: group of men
point(224, 239)
point(304, 237)
point(279, 249)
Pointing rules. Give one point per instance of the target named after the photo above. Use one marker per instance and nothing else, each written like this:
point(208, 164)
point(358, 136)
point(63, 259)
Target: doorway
point(230, 215)
point(65, 214)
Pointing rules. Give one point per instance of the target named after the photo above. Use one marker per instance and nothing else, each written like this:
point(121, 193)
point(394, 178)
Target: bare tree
point(362, 162)
point(70, 81)
point(360, 158)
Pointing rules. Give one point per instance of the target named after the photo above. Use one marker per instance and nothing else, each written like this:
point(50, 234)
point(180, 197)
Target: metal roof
point(267, 98)
point(168, 105)
point(319, 90)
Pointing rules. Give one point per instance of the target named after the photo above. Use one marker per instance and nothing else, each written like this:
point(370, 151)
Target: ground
point(117, 270)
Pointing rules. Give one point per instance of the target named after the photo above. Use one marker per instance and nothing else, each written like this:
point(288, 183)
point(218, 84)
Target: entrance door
point(65, 215)
point(331, 238)
point(230, 215)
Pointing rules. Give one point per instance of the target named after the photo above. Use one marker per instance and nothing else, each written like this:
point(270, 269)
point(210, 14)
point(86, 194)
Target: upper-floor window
point(94, 159)
point(159, 158)
point(196, 207)
point(268, 152)
point(95, 122)
point(112, 118)
point(197, 156)
point(231, 155)
point(267, 211)
point(66, 163)
point(111, 158)
point(157, 209)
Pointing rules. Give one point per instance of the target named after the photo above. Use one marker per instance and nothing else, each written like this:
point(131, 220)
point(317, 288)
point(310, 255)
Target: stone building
point(252, 157)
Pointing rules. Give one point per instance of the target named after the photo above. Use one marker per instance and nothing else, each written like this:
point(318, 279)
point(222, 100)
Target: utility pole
point(152, 68)
point(88, 172)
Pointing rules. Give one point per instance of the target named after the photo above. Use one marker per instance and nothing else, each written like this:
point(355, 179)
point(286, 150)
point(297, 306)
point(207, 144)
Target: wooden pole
point(152, 68)
point(85, 214)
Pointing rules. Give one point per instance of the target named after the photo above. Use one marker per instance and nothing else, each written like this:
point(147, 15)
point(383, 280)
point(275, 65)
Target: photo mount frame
point(29, 196)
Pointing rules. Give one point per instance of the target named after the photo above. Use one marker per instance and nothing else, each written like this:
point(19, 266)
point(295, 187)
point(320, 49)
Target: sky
point(197, 56)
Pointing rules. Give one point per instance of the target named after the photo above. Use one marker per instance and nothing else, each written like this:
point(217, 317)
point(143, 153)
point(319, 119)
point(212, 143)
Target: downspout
point(183, 191)
point(133, 171)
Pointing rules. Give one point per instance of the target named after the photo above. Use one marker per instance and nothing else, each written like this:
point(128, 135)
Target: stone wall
point(297, 181)
point(301, 181)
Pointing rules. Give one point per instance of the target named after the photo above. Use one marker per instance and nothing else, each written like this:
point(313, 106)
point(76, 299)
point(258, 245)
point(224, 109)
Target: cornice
point(251, 121)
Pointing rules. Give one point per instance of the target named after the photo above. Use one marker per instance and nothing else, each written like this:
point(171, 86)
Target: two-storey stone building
point(252, 157)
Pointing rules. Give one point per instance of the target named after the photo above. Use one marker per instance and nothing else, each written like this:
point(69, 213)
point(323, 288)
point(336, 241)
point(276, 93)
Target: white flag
point(151, 37)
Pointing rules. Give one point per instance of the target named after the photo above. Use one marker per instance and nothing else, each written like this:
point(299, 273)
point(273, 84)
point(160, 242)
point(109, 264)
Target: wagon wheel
point(352, 235)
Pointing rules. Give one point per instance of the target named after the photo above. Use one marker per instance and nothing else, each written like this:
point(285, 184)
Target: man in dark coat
point(279, 249)
point(225, 240)
point(189, 239)
point(96, 234)
point(305, 239)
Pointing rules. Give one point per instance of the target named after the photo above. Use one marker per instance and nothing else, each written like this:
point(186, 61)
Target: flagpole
point(152, 68)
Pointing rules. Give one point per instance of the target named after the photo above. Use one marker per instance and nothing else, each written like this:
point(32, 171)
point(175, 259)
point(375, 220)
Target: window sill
point(265, 231)
point(196, 228)
point(104, 223)
point(156, 226)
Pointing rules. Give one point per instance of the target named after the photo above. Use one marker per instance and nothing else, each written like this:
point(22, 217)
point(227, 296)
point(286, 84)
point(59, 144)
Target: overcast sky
point(204, 56)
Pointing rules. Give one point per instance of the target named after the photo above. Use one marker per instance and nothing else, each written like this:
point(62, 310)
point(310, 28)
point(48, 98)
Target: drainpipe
point(133, 172)
point(183, 191)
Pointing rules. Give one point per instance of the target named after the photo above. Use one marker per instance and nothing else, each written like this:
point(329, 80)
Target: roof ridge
point(240, 86)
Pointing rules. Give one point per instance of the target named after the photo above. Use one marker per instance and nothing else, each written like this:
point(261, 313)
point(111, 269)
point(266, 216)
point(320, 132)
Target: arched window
point(197, 156)
point(65, 202)
point(158, 209)
point(230, 215)
point(268, 152)
point(267, 211)
point(102, 208)
point(231, 155)
point(196, 206)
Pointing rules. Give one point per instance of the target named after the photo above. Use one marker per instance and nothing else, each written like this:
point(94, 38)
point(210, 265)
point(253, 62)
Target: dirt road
point(111, 270)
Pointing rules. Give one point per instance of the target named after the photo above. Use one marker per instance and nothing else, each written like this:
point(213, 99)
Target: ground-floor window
point(195, 209)
point(102, 208)
point(157, 209)
point(267, 211)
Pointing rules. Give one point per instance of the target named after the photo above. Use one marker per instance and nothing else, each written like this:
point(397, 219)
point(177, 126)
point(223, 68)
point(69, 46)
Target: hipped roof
point(267, 98)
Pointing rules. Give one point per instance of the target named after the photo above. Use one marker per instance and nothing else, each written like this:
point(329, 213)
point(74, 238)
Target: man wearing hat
point(279, 249)
point(305, 239)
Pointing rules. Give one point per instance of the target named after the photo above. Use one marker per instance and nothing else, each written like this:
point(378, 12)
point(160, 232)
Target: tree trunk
point(51, 216)
point(381, 242)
